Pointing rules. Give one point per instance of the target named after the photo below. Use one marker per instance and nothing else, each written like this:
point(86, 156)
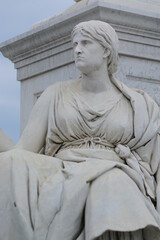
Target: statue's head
point(105, 35)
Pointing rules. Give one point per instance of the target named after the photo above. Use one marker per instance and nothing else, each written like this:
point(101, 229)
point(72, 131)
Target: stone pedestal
point(44, 54)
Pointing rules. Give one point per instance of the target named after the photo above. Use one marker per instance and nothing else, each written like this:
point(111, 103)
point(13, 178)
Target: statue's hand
point(123, 151)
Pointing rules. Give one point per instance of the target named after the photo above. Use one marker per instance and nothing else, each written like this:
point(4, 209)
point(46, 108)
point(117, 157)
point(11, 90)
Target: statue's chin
point(82, 68)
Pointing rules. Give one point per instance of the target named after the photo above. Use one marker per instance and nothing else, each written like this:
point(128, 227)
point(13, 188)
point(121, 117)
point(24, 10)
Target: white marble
point(87, 165)
point(41, 192)
point(44, 54)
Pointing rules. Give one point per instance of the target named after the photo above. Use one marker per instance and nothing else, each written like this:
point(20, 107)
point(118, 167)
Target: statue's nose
point(78, 49)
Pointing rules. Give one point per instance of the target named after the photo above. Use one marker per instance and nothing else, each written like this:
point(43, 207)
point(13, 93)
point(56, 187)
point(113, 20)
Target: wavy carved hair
point(105, 35)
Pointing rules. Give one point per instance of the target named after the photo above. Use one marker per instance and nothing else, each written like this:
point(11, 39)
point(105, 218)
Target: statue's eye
point(75, 44)
point(84, 42)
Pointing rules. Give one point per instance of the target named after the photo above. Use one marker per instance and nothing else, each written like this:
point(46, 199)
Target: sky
point(17, 17)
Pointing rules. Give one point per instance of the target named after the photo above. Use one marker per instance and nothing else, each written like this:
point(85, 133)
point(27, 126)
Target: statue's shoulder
point(135, 94)
point(61, 85)
point(147, 98)
point(68, 83)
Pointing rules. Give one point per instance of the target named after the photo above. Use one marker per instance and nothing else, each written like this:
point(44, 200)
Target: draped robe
point(99, 176)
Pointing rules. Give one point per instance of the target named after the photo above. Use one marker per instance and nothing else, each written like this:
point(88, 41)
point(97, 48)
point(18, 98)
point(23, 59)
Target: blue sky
point(17, 17)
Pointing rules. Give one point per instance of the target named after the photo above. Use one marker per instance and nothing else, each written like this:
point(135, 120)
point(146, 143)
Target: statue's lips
point(79, 59)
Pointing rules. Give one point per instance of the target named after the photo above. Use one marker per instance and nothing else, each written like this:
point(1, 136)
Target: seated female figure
point(99, 176)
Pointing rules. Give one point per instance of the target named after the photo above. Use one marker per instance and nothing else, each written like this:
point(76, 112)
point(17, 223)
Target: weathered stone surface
point(44, 54)
point(89, 156)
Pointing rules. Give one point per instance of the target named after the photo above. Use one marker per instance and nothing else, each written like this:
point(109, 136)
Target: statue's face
point(89, 54)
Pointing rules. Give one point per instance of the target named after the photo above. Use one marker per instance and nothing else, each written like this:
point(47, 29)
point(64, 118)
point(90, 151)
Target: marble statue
point(87, 165)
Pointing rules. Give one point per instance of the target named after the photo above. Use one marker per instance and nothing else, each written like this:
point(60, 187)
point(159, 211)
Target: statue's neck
point(96, 82)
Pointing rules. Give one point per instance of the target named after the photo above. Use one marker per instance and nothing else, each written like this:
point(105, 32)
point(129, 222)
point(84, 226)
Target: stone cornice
point(43, 36)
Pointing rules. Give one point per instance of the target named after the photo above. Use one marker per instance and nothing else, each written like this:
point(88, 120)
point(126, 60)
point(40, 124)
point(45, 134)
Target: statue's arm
point(150, 156)
point(33, 136)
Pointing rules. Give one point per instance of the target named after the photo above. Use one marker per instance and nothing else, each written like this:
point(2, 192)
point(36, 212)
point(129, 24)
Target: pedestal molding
point(60, 27)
